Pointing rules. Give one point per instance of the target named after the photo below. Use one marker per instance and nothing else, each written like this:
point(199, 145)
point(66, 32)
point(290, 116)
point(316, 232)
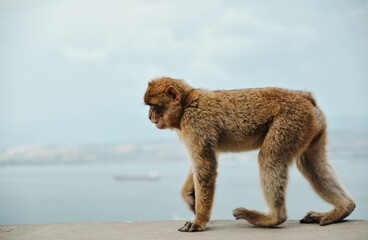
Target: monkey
point(285, 125)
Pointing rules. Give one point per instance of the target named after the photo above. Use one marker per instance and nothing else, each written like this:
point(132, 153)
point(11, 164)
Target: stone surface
point(216, 229)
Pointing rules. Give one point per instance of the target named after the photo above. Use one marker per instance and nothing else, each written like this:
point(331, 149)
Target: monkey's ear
point(174, 94)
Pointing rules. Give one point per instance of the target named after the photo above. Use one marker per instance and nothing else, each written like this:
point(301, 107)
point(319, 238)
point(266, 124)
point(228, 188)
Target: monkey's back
point(242, 117)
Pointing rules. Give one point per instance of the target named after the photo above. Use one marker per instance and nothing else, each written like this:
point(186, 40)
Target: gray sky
point(74, 72)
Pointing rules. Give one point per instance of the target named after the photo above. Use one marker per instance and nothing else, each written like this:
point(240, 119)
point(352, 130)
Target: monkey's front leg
point(204, 177)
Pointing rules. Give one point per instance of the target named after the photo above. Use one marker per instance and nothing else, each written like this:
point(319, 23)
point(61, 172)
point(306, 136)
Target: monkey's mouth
point(159, 124)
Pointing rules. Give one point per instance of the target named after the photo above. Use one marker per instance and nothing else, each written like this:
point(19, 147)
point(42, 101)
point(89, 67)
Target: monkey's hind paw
point(190, 227)
point(240, 213)
point(311, 217)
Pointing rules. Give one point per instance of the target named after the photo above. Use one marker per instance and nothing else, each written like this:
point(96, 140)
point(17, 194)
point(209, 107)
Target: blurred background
point(75, 140)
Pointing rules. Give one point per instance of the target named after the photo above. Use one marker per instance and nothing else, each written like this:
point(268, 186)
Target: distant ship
point(154, 176)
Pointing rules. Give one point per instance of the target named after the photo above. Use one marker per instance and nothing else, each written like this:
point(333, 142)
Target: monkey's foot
point(257, 218)
point(312, 217)
point(191, 227)
point(334, 216)
point(321, 218)
point(240, 213)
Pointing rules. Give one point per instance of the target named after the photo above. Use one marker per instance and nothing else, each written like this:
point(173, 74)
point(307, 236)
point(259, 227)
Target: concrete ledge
point(216, 229)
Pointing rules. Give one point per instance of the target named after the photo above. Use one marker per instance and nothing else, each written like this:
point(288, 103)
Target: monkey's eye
point(155, 106)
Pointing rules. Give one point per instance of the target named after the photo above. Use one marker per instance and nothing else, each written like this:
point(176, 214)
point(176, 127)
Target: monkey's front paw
point(191, 202)
point(190, 227)
point(240, 213)
point(189, 199)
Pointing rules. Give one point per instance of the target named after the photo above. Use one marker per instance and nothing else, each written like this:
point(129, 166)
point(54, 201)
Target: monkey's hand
point(189, 199)
point(191, 227)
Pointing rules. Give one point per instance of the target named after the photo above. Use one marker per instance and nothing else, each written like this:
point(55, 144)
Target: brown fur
point(284, 124)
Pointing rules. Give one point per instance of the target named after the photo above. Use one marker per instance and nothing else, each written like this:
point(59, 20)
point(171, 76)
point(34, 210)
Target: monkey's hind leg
point(273, 176)
point(280, 146)
point(315, 167)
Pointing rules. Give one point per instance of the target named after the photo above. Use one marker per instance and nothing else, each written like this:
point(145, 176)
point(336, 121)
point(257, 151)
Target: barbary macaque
point(285, 125)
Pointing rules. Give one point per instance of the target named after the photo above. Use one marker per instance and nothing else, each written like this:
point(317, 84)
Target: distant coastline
point(342, 143)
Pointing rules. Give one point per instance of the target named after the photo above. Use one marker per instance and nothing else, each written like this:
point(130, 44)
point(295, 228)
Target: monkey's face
point(165, 105)
point(156, 114)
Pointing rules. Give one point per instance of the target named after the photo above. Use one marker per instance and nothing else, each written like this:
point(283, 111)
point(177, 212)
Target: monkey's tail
point(318, 113)
point(309, 96)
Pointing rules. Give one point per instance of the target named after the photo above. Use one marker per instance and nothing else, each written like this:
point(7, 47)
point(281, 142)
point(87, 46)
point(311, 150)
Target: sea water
point(91, 193)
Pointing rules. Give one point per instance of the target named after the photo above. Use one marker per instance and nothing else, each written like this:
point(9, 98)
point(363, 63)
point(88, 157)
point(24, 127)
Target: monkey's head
point(166, 98)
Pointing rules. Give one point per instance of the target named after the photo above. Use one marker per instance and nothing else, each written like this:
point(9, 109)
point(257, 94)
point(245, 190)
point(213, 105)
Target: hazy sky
point(74, 72)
